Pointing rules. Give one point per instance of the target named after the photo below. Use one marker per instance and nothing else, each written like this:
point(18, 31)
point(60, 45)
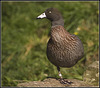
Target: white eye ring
point(49, 11)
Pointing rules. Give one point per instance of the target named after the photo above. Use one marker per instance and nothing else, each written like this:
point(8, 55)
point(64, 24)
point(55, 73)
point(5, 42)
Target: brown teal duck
point(63, 49)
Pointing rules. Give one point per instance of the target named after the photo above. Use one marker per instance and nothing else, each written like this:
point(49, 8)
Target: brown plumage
point(63, 49)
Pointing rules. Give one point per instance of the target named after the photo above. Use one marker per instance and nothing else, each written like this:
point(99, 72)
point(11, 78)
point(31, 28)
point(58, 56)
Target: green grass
point(24, 39)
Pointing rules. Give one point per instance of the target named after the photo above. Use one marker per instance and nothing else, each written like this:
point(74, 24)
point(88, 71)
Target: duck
point(63, 49)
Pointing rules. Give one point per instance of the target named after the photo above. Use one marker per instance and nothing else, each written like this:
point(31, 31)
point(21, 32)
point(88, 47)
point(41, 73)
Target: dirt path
point(51, 82)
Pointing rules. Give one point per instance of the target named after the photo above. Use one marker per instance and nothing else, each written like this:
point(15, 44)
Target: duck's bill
point(41, 16)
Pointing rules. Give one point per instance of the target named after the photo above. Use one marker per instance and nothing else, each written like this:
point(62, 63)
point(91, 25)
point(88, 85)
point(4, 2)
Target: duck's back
point(64, 49)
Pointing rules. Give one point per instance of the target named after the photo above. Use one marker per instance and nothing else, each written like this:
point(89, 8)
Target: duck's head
point(53, 15)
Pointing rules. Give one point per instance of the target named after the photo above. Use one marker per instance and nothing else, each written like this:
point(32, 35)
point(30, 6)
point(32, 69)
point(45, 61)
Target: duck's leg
point(62, 81)
point(60, 75)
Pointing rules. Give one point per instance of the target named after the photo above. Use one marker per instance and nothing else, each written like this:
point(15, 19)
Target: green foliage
point(8, 82)
point(24, 39)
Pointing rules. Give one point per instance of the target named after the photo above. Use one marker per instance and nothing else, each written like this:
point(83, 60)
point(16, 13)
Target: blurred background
point(24, 39)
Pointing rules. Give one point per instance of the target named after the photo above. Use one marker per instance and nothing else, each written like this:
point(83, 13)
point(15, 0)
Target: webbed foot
point(64, 81)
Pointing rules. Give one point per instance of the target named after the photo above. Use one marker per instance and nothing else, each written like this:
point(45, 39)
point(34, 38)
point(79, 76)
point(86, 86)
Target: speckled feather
point(63, 48)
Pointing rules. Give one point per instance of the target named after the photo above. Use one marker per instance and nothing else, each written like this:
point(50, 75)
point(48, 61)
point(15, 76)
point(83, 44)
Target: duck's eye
point(49, 11)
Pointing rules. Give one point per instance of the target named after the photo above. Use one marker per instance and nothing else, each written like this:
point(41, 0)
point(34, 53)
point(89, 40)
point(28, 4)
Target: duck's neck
point(58, 22)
